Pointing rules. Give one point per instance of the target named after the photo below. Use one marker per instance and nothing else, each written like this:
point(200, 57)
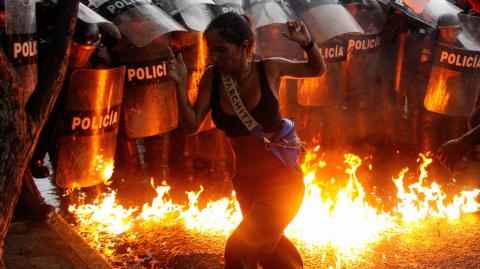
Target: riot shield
point(329, 23)
point(413, 68)
point(320, 98)
point(454, 82)
point(269, 18)
point(470, 35)
point(325, 90)
point(224, 6)
point(363, 48)
point(326, 19)
point(89, 16)
point(92, 114)
point(194, 14)
point(425, 11)
point(150, 101)
point(266, 12)
point(20, 43)
point(138, 20)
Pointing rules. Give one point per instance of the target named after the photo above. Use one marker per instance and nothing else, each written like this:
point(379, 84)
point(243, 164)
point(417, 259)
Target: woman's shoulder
point(208, 76)
point(209, 72)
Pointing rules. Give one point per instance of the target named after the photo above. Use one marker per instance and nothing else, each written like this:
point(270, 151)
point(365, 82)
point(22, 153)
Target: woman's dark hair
point(233, 27)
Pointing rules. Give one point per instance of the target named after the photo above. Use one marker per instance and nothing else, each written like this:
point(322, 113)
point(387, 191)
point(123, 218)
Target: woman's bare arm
point(191, 117)
point(313, 67)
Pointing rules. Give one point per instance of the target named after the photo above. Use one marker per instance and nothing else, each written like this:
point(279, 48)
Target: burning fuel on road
point(339, 225)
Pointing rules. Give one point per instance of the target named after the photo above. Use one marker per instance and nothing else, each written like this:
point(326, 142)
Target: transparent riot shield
point(454, 82)
point(89, 16)
point(320, 107)
point(92, 114)
point(266, 12)
point(325, 90)
point(194, 14)
point(364, 48)
point(138, 20)
point(150, 101)
point(326, 19)
point(224, 6)
point(269, 18)
point(20, 43)
point(425, 11)
point(469, 36)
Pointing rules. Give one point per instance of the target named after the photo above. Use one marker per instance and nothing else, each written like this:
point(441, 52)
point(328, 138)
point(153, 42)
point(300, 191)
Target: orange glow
point(200, 64)
point(282, 96)
point(312, 91)
point(399, 63)
point(325, 218)
point(196, 76)
point(418, 201)
point(438, 95)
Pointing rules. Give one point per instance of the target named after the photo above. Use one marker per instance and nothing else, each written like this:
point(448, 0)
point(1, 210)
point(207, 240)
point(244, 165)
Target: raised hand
point(298, 32)
point(176, 68)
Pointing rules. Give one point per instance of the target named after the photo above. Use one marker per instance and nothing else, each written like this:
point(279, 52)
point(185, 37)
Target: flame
point(420, 201)
point(105, 216)
point(312, 92)
point(221, 216)
point(161, 206)
point(328, 221)
point(324, 219)
point(197, 73)
point(103, 168)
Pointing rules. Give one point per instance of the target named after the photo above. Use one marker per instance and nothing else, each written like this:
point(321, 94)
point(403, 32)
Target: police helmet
point(86, 34)
point(448, 20)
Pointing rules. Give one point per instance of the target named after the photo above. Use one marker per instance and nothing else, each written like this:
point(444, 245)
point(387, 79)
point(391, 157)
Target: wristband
point(308, 46)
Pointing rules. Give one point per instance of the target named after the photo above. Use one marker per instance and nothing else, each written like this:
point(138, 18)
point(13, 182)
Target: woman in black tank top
point(269, 193)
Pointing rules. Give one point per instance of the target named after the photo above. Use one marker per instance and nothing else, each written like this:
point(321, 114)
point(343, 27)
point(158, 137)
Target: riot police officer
point(17, 34)
point(449, 27)
point(439, 122)
point(86, 38)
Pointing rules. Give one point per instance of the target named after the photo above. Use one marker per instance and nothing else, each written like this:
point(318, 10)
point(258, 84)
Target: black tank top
point(266, 112)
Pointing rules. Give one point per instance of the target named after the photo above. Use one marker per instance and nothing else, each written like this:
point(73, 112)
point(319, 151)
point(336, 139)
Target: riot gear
point(453, 87)
point(20, 42)
point(224, 6)
point(91, 120)
point(360, 97)
point(318, 15)
point(321, 96)
point(138, 20)
point(426, 12)
point(91, 17)
point(448, 21)
point(195, 15)
point(85, 41)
